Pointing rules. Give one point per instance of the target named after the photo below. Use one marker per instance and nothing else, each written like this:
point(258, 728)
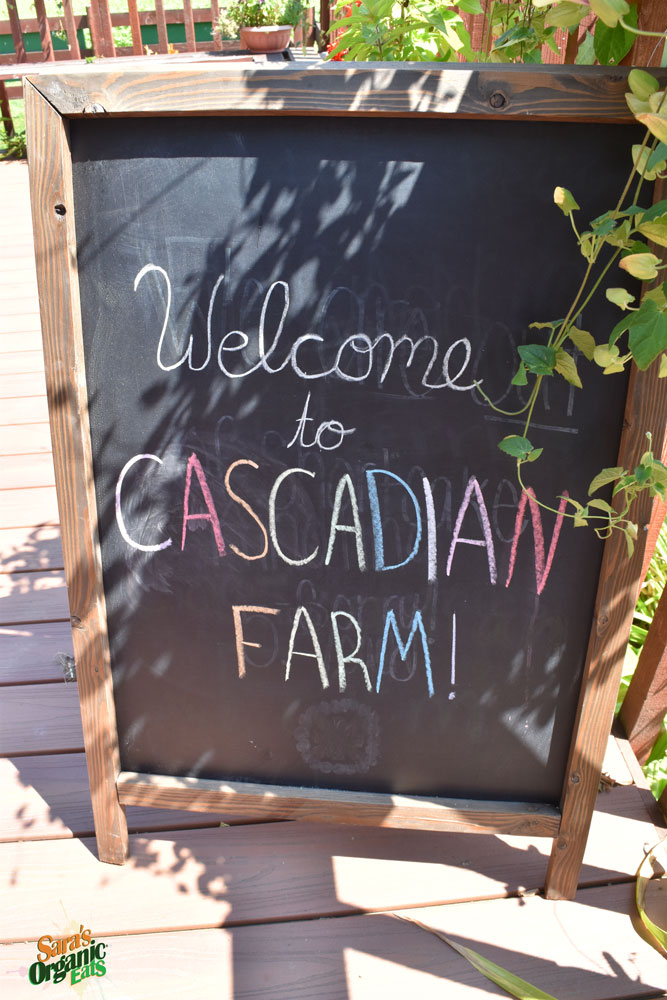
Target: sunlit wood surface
point(269, 910)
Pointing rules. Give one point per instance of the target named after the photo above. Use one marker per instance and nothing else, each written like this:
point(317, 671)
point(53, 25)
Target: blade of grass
point(646, 871)
point(507, 981)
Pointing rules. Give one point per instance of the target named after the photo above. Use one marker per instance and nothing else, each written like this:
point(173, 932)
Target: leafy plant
point(618, 237)
point(514, 30)
point(257, 14)
point(14, 145)
point(407, 30)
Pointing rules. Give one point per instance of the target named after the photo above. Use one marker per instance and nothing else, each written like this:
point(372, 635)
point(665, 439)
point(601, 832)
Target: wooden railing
point(100, 21)
point(62, 37)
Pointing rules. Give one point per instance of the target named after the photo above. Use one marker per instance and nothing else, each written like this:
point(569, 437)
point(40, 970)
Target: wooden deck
point(271, 910)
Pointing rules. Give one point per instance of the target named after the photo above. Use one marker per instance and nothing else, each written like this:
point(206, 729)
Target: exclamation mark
point(452, 693)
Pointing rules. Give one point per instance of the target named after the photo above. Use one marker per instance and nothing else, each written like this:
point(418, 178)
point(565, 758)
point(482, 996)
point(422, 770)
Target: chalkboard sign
point(313, 584)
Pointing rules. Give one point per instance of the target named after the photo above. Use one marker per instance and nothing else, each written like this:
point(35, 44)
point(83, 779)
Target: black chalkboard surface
point(313, 565)
point(303, 580)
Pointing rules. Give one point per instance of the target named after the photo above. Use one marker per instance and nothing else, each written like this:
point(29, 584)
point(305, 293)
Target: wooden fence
point(66, 37)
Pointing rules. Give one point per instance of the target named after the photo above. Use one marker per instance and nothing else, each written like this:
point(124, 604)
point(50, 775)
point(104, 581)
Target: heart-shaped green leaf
point(642, 84)
point(641, 265)
point(609, 11)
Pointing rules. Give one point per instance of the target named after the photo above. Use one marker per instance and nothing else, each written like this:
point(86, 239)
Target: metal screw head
point(574, 778)
point(497, 100)
point(93, 109)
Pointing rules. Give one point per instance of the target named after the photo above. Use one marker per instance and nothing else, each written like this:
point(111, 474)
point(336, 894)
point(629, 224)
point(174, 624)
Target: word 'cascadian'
point(358, 349)
point(345, 489)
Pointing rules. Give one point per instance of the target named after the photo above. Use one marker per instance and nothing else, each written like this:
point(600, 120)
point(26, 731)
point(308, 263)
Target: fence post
point(17, 34)
point(161, 21)
point(44, 31)
point(215, 14)
point(70, 28)
point(135, 28)
point(645, 703)
point(190, 42)
point(6, 111)
point(647, 51)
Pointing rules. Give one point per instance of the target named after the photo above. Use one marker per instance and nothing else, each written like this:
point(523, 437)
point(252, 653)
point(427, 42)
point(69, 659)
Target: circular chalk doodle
point(339, 737)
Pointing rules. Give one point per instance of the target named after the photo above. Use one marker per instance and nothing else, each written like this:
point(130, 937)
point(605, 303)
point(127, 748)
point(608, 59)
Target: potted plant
point(262, 25)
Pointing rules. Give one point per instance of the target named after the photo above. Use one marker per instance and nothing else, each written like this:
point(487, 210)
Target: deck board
point(282, 871)
point(28, 653)
point(40, 718)
point(187, 876)
point(380, 955)
point(27, 472)
point(14, 386)
point(28, 339)
point(24, 439)
point(33, 597)
point(21, 508)
point(47, 797)
point(24, 410)
point(30, 548)
point(17, 362)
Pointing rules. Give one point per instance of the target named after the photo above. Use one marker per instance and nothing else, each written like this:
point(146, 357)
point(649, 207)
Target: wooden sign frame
point(376, 90)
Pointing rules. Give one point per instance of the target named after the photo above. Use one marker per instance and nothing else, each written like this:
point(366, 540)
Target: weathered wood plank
point(118, 18)
point(24, 410)
point(266, 872)
point(18, 362)
point(55, 239)
point(20, 333)
point(29, 653)
point(16, 30)
point(21, 300)
point(13, 386)
point(19, 339)
point(70, 28)
point(645, 704)
point(364, 957)
point(27, 507)
point(30, 548)
point(40, 718)
point(160, 20)
point(189, 26)
point(620, 578)
point(44, 30)
point(647, 50)
point(536, 93)
point(322, 805)
point(108, 49)
point(135, 28)
point(48, 797)
point(33, 597)
point(27, 471)
point(24, 439)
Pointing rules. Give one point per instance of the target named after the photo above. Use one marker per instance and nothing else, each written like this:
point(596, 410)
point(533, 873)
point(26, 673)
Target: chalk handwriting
point(348, 513)
point(333, 427)
point(357, 349)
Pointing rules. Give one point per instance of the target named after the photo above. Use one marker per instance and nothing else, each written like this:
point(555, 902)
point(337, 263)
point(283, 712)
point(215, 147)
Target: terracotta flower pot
point(268, 38)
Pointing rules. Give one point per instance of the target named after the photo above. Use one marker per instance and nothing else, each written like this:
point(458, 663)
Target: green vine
point(620, 235)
